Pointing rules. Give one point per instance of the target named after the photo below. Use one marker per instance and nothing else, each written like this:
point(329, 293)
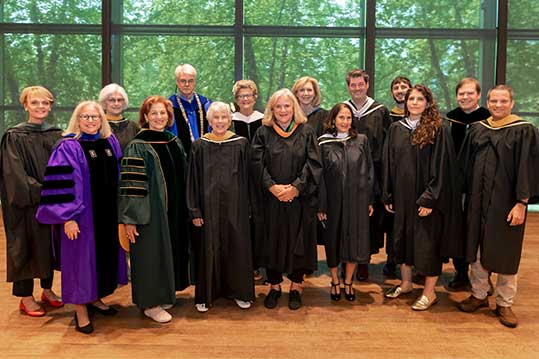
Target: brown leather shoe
point(506, 316)
point(472, 304)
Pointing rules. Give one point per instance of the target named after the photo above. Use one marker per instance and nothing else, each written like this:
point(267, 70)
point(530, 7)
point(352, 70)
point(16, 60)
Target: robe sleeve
point(258, 168)
point(134, 196)
point(370, 166)
point(527, 184)
point(194, 185)
point(22, 189)
point(63, 185)
point(322, 191)
point(387, 172)
point(309, 178)
point(442, 156)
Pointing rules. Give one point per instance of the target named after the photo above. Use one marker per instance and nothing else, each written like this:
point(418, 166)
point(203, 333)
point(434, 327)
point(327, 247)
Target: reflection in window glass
point(523, 14)
point(438, 64)
point(68, 65)
point(275, 63)
point(305, 12)
point(429, 14)
point(174, 12)
point(521, 59)
point(149, 63)
point(52, 11)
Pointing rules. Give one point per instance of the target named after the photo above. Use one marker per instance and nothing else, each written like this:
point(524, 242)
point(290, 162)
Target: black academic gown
point(500, 165)
point(345, 195)
point(416, 177)
point(460, 121)
point(124, 130)
point(24, 153)
point(316, 120)
point(286, 231)
point(217, 192)
point(374, 124)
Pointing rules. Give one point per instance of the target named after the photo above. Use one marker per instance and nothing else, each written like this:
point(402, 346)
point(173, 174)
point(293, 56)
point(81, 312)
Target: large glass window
point(52, 11)
point(278, 62)
point(438, 64)
point(523, 14)
point(149, 63)
point(348, 13)
point(193, 12)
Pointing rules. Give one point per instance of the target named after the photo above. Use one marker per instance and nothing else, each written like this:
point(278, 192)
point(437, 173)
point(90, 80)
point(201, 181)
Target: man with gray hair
point(189, 107)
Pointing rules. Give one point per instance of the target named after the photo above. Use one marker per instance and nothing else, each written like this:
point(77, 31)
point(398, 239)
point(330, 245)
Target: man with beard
point(371, 119)
point(468, 92)
point(399, 86)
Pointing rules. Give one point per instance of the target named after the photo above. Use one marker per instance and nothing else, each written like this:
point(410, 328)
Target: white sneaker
point(158, 314)
point(166, 306)
point(201, 307)
point(242, 304)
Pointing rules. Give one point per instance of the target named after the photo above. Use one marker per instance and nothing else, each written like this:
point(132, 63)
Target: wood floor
point(371, 327)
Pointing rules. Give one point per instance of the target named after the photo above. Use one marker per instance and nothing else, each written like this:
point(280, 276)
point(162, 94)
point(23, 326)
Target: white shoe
point(158, 314)
point(166, 306)
point(201, 307)
point(242, 304)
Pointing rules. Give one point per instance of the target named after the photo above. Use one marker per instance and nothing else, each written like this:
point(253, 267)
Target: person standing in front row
point(24, 153)
point(500, 164)
point(286, 166)
point(468, 92)
point(152, 206)
point(345, 198)
point(80, 194)
point(420, 189)
point(189, 107)
point(218, 202)
point(372, 120)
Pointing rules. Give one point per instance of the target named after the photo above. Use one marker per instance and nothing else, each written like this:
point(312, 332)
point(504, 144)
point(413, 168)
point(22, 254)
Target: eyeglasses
point(186, 82)
point(114, 100)
point(86, 117)
point(244, 97)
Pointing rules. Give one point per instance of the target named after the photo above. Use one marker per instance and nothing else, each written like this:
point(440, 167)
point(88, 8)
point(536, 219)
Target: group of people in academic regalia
point(207, 193)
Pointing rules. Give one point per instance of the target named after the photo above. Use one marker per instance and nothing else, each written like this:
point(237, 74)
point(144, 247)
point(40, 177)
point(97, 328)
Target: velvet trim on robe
point(152, 196)
point(67, 195)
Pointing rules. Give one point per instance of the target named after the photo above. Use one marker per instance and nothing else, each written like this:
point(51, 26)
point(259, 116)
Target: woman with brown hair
point(418, 181)
point(346, 196)
point(152, 206)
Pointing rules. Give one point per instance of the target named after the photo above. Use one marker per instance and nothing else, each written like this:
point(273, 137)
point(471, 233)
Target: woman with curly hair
point(417, 165)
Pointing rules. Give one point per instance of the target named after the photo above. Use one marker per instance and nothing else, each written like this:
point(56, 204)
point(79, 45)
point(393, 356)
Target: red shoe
point(33, 313)
point(52, 302)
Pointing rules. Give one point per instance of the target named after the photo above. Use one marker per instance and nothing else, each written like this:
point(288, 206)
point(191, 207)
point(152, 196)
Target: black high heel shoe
point(108, 312)
point(349, 294)
point(87, 329)
point(335, 296)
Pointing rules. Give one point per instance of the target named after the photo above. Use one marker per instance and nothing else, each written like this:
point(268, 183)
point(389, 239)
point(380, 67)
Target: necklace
point(200, 114)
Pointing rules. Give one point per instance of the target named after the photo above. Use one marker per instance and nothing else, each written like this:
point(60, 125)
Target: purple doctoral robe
point(68, 196)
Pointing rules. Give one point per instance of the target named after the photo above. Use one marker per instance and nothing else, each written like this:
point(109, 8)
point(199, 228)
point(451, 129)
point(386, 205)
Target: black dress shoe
point(272, 298)
point(87, 329)
point(109, 311)
point(335, 296)
point(349, 292)
point(294, 300)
